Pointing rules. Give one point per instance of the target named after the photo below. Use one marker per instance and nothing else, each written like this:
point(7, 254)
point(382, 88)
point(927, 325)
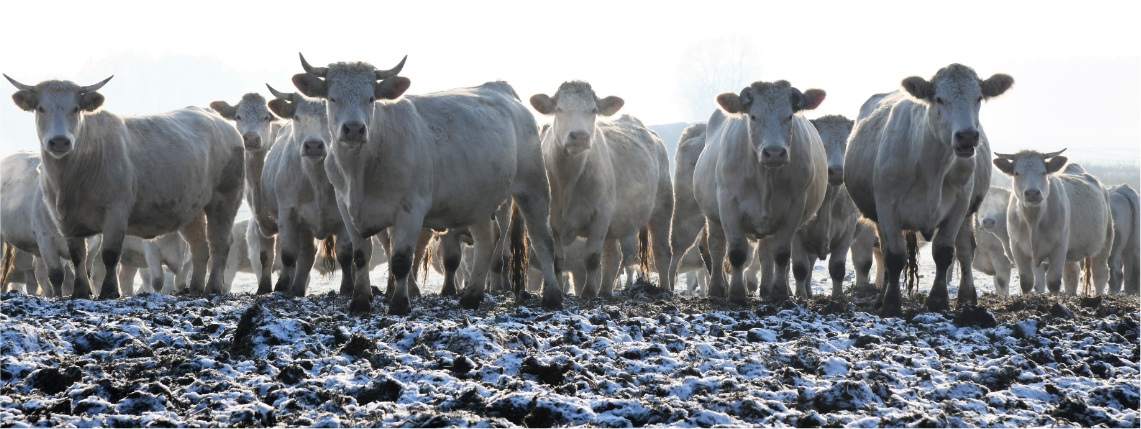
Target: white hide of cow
point(992, 240)
point(762, 174)
point(305, 205)
point(608, 181)
point(918, 160)
point(1056, 218)
point(142, 176)
point(259, 129)
point(1125, 258)
point(442, 160)
point(27, 225)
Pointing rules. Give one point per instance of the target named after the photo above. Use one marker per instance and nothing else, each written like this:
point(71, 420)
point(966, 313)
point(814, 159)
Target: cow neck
point(82, 171)
point(570, 171)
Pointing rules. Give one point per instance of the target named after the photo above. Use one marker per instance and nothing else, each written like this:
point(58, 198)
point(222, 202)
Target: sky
point(1077, 69)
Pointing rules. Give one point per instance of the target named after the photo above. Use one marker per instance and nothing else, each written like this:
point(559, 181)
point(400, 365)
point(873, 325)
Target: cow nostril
point(353, 129)
point(967, 137)
point(577, 136)
point(59, 143)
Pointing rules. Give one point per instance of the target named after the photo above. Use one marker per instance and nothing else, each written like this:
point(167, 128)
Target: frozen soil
point(639, 359)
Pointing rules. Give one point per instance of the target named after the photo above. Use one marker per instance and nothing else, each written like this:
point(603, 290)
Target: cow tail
point(912, 270)
point(644, 252)
point(518, 250)
point(703, 250)
point(329, 254)
point(1087, 276)
point(6, 268)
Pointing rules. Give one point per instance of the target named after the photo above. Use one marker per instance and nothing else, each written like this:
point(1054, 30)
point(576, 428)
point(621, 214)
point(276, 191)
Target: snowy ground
point(639, 359)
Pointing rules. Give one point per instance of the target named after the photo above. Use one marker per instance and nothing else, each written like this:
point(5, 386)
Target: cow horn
point(95, 87)
point(19, 85)
point(318, 71)
point(1052, 154)
point(287, 96)
point(385, 74)
point(1004, 156)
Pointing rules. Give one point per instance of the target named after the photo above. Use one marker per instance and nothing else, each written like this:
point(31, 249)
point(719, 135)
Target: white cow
point(1057, 219)
point(762, 174)
point(27, 224)
point(442, 160)
point(19, 267)
point(688, 221)
point(137, 175)
point(917, 161)
point(1125, 258)
point(149, 256)
point(992, 251)
point(608, 181)
point(259, 128)
point(829, 234)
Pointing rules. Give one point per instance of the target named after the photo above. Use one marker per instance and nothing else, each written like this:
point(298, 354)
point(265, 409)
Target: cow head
point(1030, 171)
point(351, 91)
point(834, 131)
point(575, 107)
point(309, 120)
point(992, 211)
point(953, 98)
point(253, 119)
point(768, 107)
point(59, 107)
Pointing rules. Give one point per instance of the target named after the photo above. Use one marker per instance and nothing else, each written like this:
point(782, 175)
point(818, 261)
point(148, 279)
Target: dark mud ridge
point(641, 359)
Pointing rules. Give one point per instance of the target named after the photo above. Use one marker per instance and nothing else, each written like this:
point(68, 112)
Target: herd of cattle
point(350, 171)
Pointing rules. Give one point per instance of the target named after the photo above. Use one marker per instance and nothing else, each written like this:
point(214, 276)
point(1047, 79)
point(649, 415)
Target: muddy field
point(639, 359)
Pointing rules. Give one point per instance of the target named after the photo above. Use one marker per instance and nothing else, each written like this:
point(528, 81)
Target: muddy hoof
point(937, 304)
point(470, 301)
point(79, 293)
point(967, 299)
point(739, 297)
point(399, 306)
point(552, 299)
point(282, 285)
point(264, 286)
point(346, 289)
point(448, 290)
point(109, 292)
point(360, 306)
point(891, 307)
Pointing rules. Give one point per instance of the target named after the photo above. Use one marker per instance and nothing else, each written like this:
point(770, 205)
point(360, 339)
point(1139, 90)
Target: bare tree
point(712, 66)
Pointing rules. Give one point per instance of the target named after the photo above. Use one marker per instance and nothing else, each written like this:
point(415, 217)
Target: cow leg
point(895, 259)
point(738, 252)
point(533, 199)
point(965, 253)
point(718, 287)
point(782, 252)
point(1056, 268)
point(260, 251)
point(485, 243)
point(219, 229)
point(501, 257)
point(405, 234)
point(753, 270)
point(612, 261)
point(1116, 273)
point(767, 267)
point(837, 265)
point(40, 271)
point(345, 261)
point(422, 242)
point(289, 246)
point(684, 235)
point(1100, 262)
point(194, 233)
point(111, 250)
point(592, 259)
point(182, 279)
point(863, 242)
point(1070, 274)
point(127, 279)
point(77, 252)
point(306, 255)
point(452, 251)
point(1131, 270)
point(1002, 267)
point(154, 265)
point(802, 264)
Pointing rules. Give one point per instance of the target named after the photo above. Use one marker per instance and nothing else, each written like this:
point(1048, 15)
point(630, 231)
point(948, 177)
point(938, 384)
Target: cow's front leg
point(965, 253)
point(718, 287)
point(451, 251)
point(592, 256)
point(405, 233)
point(194, 232)
point(612, 261)
point(110, 251)
point(802, 263)
point(77, 251)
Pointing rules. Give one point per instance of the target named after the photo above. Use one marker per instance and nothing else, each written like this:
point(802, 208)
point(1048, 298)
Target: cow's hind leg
point(718, 286)
point(532, 197)
point(485, 245)
point(219, 225)
point(405, 233)
point(452, 251)
point(194, 233)
point(965, 252)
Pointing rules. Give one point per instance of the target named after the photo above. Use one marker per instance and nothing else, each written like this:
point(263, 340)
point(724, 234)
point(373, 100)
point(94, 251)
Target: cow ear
point(90, 101)
point(392, 88)
point(610, 105)
point(310, 85)
point(543, 104)
point(996, 85)
point(26, 100)
point(730, 102)
point(811, 99)
point(225, 109)
point(1056, 164)
point(1004, 165)
point(281, 108)
point(919, 87)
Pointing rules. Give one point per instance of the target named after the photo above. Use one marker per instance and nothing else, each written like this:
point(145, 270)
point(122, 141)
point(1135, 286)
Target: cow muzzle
point(1032, 196)
point(576, 142)
point(313, 148)
point(964, 142)
point(252, 140)
point(989, 223)
point(58, 146)
point(774, 156)
point(353, 132)
point(836, 176)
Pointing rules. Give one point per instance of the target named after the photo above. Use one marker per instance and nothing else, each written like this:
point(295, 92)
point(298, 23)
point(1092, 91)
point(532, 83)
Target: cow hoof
point(346, 289)
point(282, 284)
point(399, 306)
point(264, 286)
point(553, 301)
point(739, 297)
point(937, 304)
point(109, 293)
point(891, 307)
point(360, 306)
point(80, 293)
point(470, 301)
point(448, 290)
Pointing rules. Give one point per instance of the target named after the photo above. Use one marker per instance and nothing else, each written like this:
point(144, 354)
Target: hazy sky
point(1077, 69)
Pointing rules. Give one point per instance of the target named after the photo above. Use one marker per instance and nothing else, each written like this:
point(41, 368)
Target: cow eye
point(940, 100)
point(1016, 174)
point(266, 118)
point(74, 110)
point(789, 118)
point(237, 117)
point(594, 111)
point(753, 118)
point(332, 100)
point(372, 100)
point(40, 109)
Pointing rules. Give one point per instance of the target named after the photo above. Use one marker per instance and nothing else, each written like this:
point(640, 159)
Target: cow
point(27, 225)
point(1057, 219)
point(1125, 258)
point(20, 268)
point(259, 129)
point(918, 161)
point(608, 181)
point(143, 176)
point(762, 174)
point(149, 256)
point(829, 234)
point(688, 222)
point(992, 250)
point(441, 160)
